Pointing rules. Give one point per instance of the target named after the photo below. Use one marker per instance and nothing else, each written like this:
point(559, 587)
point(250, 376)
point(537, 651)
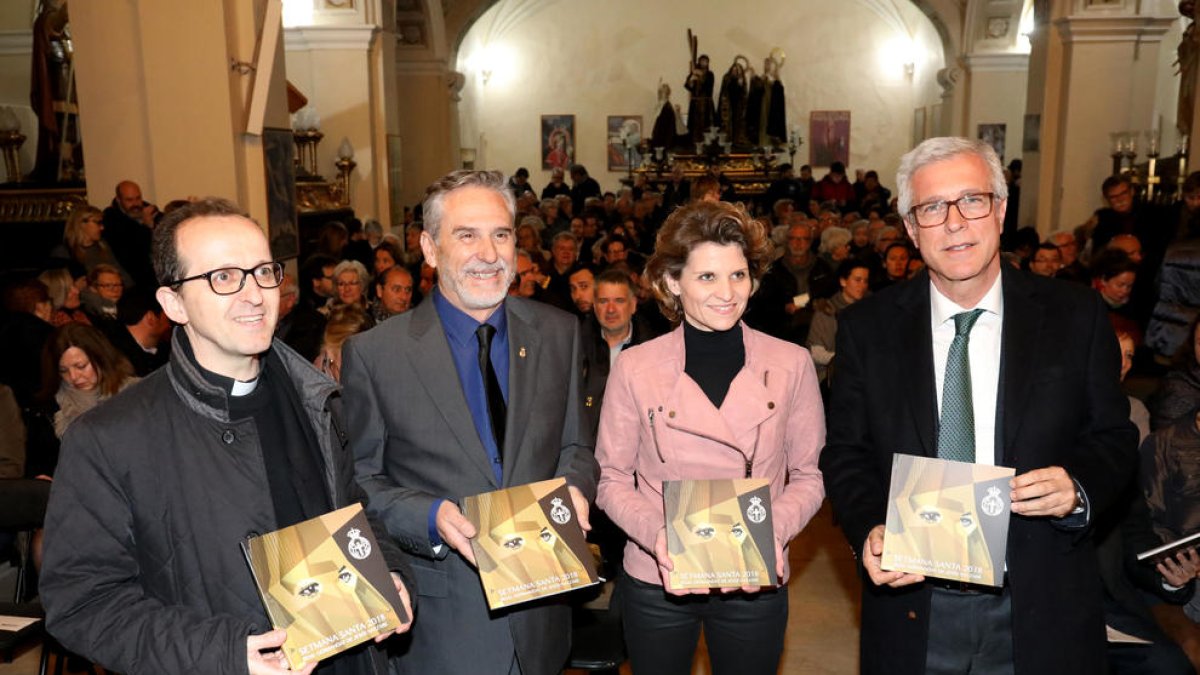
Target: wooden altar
point(750, 174)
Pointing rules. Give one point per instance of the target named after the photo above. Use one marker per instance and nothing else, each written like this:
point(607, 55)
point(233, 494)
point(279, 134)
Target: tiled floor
point(822, 636)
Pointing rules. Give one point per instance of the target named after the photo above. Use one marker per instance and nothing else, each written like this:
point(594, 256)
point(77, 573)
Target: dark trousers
point(744, 632)
point(970, 632)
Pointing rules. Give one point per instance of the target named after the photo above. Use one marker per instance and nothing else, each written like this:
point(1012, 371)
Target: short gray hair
point(940, 149)
point(435, 194)
point(834, 237)
point(354, 266)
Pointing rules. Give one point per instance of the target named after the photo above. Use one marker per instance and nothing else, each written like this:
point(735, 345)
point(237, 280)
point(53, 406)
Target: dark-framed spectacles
point(971, 206)
point(230, 280)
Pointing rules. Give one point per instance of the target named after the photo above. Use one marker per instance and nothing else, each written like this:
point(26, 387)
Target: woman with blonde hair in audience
point(713, 399)
point(80, 369)
point(344, 321)
point(83, 238)
point(64, 291)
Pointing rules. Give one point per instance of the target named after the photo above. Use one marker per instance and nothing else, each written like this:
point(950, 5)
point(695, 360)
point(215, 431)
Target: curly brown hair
point(697, 223)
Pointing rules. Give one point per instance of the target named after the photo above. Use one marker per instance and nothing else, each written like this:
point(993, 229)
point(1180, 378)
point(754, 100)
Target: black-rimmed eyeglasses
point(230, 280)
point(971, 206)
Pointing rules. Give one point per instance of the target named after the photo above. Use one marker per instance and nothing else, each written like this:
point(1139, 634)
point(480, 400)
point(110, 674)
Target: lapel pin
point(521, 352)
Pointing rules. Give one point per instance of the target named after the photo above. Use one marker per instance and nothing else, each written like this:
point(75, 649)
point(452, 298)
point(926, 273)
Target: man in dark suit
point(975, 363)
point(468, 393)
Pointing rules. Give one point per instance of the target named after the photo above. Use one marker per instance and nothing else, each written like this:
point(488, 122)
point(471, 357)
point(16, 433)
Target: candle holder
point(10, 144)
point(345, 164)
point(306, 151)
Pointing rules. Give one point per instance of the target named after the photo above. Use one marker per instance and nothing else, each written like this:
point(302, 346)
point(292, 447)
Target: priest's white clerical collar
point(244, 388)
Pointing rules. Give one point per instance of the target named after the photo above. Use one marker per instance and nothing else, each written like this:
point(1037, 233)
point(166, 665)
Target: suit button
point(912, 616)
point(770, 405)
point(671, 414)
point(228, 437)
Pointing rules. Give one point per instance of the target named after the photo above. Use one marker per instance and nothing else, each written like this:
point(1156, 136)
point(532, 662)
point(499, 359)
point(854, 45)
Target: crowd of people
point(502, 336)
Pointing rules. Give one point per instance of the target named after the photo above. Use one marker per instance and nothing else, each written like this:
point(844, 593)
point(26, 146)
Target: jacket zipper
point(654, 434)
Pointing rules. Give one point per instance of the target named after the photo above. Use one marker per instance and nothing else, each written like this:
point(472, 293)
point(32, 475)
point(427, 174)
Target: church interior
point(305, 112)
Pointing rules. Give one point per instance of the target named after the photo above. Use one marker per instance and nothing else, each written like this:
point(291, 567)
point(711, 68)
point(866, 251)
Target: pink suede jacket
point(658, 424)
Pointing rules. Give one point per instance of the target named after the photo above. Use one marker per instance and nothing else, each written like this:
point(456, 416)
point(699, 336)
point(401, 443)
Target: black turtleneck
point(713, 359)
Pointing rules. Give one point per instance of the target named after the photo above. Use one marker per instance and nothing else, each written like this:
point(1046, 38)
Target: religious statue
point(52, 96)
point(669, 130)
point(766, 112)
point(1189, 64)
point(731, 102)
point(699, 84)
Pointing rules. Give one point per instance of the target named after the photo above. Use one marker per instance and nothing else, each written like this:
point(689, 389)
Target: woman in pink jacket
point(712, 399)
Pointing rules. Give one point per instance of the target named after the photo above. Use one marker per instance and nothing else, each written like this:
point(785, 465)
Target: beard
point(474, 298)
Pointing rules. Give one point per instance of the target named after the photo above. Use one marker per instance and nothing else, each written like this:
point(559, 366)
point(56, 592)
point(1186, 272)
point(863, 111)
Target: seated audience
point(80, 369)
point(1171, 483)
point(782, 306)
point(352, 282)
point(142, 332)
point(12, 441)
point(895, 267)
point(84, 245)
point(854, 278)
point(128, 224)
point(64, 296)
point(1133, 589)
point(24, 328)
point(582, 281)
point(386, 256)
point(834, 249)
point(393, 293)
point(1046, 260)
point(103, 291)
point(1113, 277)
point(1179, 393)
point(344, 321)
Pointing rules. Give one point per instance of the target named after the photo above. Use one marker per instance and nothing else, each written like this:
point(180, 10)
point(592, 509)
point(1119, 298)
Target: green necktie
point(956, 431)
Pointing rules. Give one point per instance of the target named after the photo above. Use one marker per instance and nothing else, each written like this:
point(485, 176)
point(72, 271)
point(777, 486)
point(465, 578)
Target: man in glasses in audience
point(235, 436)
point(974, 362)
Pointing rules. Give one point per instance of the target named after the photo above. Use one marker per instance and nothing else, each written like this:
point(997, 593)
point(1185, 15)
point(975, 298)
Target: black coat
point(1059, 404)
point(143, 571)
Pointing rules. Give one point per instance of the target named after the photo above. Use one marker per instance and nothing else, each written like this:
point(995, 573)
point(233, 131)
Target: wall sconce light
point(909, 69)
point(486, 74)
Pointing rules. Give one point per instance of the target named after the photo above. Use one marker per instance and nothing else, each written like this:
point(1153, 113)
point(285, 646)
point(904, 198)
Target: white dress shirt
point(984, 355)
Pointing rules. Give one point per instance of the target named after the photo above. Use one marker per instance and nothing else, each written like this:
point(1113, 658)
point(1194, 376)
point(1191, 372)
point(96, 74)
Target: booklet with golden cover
point(719, 532)
point(947, 519)
point(529, 543)
point(326, 582)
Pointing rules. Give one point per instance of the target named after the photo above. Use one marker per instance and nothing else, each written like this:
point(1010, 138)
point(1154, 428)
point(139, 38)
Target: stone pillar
point(338, 68)
point(163, 102)
point(427, 113)
point(1097, 75)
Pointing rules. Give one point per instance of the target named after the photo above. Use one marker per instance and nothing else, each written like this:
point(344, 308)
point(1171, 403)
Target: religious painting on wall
point(624, 135)
point(829, 137)
point(279, 148)
point(993, 135)
point(558, 141)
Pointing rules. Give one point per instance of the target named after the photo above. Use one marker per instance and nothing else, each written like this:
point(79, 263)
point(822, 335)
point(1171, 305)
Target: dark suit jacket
point(594, 370)
point(414, 442)
point(1059, 404)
